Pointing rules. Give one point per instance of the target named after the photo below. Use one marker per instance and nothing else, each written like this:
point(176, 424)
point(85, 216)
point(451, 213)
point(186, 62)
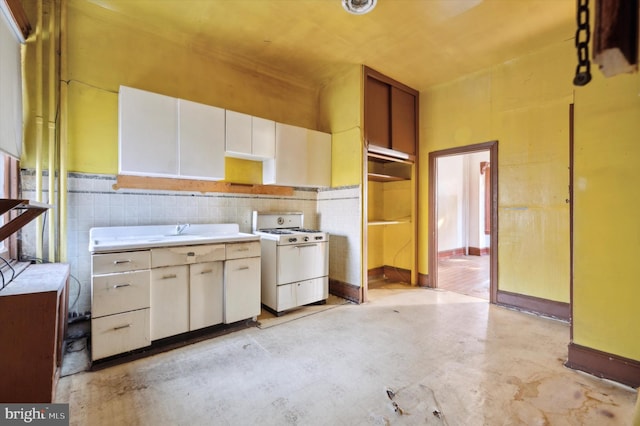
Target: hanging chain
point(583, 35)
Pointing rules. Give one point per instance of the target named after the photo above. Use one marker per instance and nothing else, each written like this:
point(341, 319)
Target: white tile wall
point(93, 202)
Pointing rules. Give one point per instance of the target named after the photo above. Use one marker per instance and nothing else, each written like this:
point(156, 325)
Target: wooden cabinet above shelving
point(390, 114)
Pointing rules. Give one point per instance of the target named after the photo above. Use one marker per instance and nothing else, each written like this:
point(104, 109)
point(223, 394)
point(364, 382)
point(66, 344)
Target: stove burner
point(275, 231)
point(306, 230)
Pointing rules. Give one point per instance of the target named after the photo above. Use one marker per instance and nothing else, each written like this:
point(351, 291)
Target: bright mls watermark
point(34, 414)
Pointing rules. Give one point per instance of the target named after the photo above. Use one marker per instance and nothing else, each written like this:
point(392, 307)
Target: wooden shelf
point(377, 177)
point(381, 222)
point(30, 210)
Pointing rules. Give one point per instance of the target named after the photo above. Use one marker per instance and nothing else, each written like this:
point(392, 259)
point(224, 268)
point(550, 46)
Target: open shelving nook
point(391, 210)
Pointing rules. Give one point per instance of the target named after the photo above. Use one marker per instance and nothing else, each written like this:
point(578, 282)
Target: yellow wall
point(606, 288)
point(102, 56)
point(340, 113)
point(524, 105)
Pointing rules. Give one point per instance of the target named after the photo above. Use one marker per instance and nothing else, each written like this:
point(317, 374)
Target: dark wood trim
point(370, 72)
point(604, 365)
point(390, 272)
point(345, 290)
point(615, 36)
point(375, 272)
point(194, 185)
point(476, 251)
point(571, 170)
point(492, 147)
point(423, 280)
point(460, 251)
point(19, 17)
point(397, 274)
point(537, 305)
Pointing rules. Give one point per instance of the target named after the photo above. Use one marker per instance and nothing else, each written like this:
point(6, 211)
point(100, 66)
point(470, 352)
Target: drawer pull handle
point(208, 271)
point(120, 262)
point(121, 285)
point(243, 249)
point(191, 253)
point(121, 327)
point(306, 245)
point(169, 277)
point(242, 268)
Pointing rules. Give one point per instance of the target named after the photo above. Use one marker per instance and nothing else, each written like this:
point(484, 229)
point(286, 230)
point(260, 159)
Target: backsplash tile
point(93, 202)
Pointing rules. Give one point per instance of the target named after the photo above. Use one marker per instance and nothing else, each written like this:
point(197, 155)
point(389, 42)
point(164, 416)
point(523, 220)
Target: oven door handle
point(306, 245)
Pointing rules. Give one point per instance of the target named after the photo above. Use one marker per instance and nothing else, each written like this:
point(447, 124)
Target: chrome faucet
point(181, 228)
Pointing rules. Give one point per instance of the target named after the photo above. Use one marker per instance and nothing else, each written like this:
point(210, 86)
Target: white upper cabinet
point(248, 137)
point(170, 137)
point(148, 127)
point(263, 138)
point(303, 158)
point(201, 141)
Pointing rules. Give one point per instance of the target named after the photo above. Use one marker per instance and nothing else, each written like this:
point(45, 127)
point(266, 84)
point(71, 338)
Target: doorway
point(463, 227)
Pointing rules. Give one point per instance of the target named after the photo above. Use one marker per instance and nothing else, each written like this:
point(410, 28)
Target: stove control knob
point(306, 238)
point(293, 240)
point(318, 238)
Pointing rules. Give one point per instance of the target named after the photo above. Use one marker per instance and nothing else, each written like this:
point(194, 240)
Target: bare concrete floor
point(407, 357)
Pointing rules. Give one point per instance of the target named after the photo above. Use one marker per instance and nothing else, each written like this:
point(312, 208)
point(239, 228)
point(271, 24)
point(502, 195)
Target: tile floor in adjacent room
point(445, 358)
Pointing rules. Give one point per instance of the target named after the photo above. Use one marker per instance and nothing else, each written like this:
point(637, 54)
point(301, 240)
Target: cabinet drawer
point(115, 334)
point(184, 255)
point(240, 250)
point(115, 293)
point(120, 262)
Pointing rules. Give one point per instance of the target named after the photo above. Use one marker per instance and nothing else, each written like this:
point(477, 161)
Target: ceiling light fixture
point(358, 7)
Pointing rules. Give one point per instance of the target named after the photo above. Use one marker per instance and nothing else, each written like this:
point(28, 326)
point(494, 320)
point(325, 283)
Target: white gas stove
point(285, 228)
point(295, 261)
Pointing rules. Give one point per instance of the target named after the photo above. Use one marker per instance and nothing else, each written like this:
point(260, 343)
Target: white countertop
point(120, 238)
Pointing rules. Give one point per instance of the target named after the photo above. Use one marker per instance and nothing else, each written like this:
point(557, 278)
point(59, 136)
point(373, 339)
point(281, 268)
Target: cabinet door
point(205, 295)
point(148, 130)
point(377, 113)
point(318, 158)
point(169, 301)
point(403, 121)
point(115, 293)
point(289, 166)
point(263, 138)
point(241, 289)
point(115, 334)
point(238, 134)
point(201, 141)
point(312, 291)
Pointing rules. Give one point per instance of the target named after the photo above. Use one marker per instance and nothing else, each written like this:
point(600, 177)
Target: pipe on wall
point(62, 184)
point(52, 115)
point(39, 123)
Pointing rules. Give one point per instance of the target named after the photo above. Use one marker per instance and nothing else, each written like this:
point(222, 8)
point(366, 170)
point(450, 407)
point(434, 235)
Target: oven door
point(300, 262)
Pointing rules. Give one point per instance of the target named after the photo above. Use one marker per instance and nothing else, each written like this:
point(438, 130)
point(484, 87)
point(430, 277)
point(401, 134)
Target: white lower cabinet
point(301, 293)
point(115, 334)
point(205, 295)
point(142, 296)
point(120, 300)
point(241, 294)
point(169, 301)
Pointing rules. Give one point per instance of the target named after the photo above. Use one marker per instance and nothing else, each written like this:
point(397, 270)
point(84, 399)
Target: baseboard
point(604, 365)
point(460, 251)
point(537, 305)
point(345, 290)
point(423, 280)
point(397, 274)
point(375, 272)
point(390, 272)
point(476, 251)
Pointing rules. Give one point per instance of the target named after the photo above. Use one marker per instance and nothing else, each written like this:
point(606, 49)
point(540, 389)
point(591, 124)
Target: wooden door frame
point(492, 147)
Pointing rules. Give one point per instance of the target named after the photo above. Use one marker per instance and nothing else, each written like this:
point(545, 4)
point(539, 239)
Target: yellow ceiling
point(418, 42)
